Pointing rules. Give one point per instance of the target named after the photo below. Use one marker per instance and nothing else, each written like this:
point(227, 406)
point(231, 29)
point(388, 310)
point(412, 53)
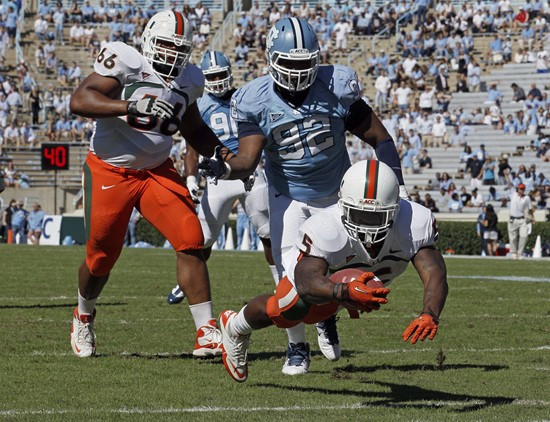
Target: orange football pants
point(111, 193)
point(286, 309)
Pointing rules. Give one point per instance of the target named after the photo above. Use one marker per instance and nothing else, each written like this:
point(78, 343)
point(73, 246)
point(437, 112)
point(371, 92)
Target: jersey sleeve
point(244, 105)
point(427, 233)
point(196, 79)
point(117, 60)
point(346, 86)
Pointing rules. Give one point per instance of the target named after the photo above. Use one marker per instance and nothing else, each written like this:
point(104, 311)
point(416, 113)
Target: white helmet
point(167, 42)
point(369, 201)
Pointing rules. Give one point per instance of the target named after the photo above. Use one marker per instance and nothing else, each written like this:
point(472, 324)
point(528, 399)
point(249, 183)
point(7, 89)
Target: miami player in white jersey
point(371, 229)
point(299, 115)
point(139, 101)
point(218, 198)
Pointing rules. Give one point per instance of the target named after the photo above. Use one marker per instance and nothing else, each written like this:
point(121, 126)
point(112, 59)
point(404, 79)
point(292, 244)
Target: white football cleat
point(297, 359)
point(82, 334)
point(327, 337)
point(235, 348)
point(208, 341)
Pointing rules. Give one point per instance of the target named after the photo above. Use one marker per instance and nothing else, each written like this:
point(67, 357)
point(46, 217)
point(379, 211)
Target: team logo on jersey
point(145, 75)
point(273, 117)
point(296, 112)
point(273, 35)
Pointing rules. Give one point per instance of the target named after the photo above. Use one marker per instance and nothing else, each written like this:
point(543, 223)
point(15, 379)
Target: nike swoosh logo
point(357, 289)
point(399, 250)
point(103, 187)
point(237, 371)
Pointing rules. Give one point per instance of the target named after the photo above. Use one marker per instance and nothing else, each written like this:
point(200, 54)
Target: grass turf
point(489, 361)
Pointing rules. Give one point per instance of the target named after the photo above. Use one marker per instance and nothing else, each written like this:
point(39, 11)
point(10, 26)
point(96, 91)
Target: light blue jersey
point(216, 114)
point(306, 154)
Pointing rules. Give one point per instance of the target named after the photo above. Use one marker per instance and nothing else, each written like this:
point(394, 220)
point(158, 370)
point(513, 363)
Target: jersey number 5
point(312, 133)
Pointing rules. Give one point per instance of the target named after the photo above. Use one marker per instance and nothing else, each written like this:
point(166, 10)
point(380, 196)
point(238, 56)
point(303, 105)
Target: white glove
point(215, 168)
point(249, 182)
point(2, 184)
point(193, 187)
point(403, 192)
point(151, 106)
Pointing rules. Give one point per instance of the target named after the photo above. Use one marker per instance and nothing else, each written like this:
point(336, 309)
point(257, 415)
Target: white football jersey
point(141, 142)
point(324, 236)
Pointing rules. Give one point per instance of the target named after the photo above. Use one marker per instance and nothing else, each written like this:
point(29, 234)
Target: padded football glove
point(215, 168)
point(423, 326)
point(193, 187)
point(356, 295)
point(151, 106)
point(249, 182)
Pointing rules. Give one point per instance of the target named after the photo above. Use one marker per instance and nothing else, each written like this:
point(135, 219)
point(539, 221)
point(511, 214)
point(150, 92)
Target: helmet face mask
point(166, 50)
point(369, 202)
point(216, 69)
point(293, 54)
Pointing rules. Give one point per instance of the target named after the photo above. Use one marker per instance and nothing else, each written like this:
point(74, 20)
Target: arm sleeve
point(387, 153)
point(244, 106)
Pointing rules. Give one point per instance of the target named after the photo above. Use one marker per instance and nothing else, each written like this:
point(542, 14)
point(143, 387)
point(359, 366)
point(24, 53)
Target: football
point(350, 274)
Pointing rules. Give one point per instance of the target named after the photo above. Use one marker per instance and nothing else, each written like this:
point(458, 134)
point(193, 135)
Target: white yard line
point(502, 278)
point(220, 409)
point(374, 351)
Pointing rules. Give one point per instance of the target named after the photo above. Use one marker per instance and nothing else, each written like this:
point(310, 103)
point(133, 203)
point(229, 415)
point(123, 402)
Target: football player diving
point(372, 229)
point(139, 101)
point(298, 115)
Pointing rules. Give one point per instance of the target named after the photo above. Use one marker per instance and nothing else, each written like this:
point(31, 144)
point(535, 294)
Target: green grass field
point(489, 361)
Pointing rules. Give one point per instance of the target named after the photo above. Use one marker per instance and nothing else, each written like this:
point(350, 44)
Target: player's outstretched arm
point(431, 268)
point(95, 97)
point(313, 287)
point(245, 162)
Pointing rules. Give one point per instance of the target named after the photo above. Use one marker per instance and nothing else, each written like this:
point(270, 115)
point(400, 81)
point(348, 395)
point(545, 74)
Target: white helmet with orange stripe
point(167, 42)
point(369, 201)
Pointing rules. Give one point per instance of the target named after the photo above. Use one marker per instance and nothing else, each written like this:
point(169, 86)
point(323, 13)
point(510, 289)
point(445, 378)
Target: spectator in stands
point(4, 110)
point(27, 135)
point(426, 98)
point(507, 49)
point(241, 53)
point(74, 74)
point(62, 128)
point(12, 135)
point(51, 63)
point(430, 203)
point(511, 126)
point(489, 172)
point(15, 102)
point(476, 165)
point(493, 95)
point(534, 92)
point(382, 86)
point(496, 47)
point(503, 171)
point(10, 22)
point(35, 103)
point(474, 76)
point(35, 219)
point(520, 205)
point(78, 129)
point(76, 34)
point(40, 59)
point(477, 198)
point(41, 28)
point(527, 37)
point(403, 93)
point(45, 10)
point(519, 93)
point(87, 12)
point(465, 197)
point(445, 183)
point(424, 161)
point(407, 155)
point(439, 132)
point(455, 204)
point(340, 33)
point(59, 21)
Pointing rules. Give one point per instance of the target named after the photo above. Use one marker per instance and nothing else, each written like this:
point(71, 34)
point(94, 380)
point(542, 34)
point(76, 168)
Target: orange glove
point(356, 295)
point(423, 326)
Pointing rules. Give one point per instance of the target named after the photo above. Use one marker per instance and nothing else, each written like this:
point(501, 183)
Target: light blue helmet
point(293, 54)
point(216, 69)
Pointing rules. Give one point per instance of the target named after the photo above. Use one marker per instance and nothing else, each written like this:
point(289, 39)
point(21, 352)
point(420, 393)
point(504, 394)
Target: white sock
point(274, 273)
point(85, 306)
point(240, 325)
point(202, 313)
point(297, 334)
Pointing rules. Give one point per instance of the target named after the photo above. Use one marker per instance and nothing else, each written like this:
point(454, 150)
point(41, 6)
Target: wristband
point(335, 291)
point(430, 313)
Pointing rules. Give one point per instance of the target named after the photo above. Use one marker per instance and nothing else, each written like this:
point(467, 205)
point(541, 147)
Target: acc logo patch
point(273, 117)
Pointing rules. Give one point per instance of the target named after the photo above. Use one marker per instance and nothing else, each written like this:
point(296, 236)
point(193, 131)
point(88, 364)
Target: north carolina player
point(139, 102)
point(372, 229)
point(300, 114)
point(218, 199)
